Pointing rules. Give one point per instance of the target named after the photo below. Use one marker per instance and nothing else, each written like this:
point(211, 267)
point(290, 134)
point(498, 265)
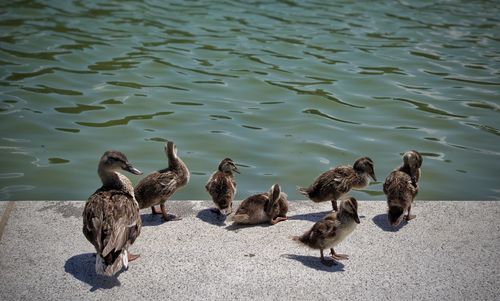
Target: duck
point(267, 207)
point(157, 187)
point(111, 219)
point(331, 230)
point(401, 187)
point(336, 182)
point(222, 186)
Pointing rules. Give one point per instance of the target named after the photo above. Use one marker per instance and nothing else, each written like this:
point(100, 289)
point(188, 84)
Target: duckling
point(401, 187)
point(158, 186)
point(222, 187)
point(338, 181)
point(111, 220)
point(270, 207)
point(332, 229)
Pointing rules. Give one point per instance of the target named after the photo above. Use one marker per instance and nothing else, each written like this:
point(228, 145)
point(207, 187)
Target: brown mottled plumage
point(222, 187)
point(332, 229)
point(401, 187)
point(111, 220)
point(268, 207)
point(157, 187)
point(334, 183)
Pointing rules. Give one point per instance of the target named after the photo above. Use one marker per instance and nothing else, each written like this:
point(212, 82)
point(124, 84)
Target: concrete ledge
point(450, 252)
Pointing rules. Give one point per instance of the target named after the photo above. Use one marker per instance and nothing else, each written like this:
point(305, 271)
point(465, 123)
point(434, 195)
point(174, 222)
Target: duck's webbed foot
point(409, 217)
point(155, 210)
point(327, 262)
point(168, 217)
point(338, 256)
point(132, 257)
point(278, 219)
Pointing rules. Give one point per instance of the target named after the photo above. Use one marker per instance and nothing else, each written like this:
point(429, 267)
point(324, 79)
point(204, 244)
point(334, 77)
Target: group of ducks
point(111, 219)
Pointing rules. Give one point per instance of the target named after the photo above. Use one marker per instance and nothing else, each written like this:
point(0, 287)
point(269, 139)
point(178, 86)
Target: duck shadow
point(382, 222)
point(237, 227)
point(148, 220)
point(312, 217)
point(210, 216)
point(82, 267)
point(314, 262)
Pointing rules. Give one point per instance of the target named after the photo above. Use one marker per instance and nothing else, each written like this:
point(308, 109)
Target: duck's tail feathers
point(298, 239)
point(303, 190)
point(241, 218)
point(111, 268)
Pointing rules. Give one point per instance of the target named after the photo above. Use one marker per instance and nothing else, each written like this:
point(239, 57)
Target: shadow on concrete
point(383, 223)
point(82, 267)
point(312, 217)
point(149, 219)
point(211, 216)
point(237, 227)
point(314, 262)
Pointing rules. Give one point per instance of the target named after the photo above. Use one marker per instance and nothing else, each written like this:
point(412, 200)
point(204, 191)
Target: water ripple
point(122, 121)
point(317, 92)
point(251, 76)
point(429, 108)
point(321, 114)
point(78, 109)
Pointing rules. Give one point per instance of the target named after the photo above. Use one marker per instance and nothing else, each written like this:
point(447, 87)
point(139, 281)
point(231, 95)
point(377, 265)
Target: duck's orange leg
point(338, 256)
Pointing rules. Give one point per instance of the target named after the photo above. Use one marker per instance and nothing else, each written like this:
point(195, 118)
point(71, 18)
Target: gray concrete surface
point(450, 252)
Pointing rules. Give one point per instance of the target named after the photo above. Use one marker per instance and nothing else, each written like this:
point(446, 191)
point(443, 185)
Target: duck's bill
point(133, 170)
point(372, 175)
point(356, 219)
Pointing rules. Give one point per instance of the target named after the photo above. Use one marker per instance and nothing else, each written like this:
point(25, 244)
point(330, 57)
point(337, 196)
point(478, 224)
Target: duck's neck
point(361, 180)
point(176, 165)
point(411, 172)
point(114, 180)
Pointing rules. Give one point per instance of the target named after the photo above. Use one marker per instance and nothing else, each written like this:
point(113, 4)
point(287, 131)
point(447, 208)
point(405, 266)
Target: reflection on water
point(287, 89)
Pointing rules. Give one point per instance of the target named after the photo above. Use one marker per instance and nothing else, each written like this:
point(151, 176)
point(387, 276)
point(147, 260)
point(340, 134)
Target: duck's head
point(350, 206)
point(413, 161)
point(227, 166)
point(225, 208)
point(365, 165)
point(114, 160)
point(395, 215)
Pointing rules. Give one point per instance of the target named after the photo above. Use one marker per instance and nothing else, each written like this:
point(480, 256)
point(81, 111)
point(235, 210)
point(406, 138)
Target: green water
point(287, 89)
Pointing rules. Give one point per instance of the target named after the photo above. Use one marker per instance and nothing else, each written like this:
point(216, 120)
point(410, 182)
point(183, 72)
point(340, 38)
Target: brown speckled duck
point(268, 207)
point(334, 183)
point(157, 187)
point(111, 220)
point(222, 187)
point(401, 187)
point(332, 229)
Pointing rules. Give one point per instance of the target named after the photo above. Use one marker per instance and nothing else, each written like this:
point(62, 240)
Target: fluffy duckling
point(338, 181)
point(157, 187)
point(111, 220)
point(332, 229)
point(401, 187)
point(222, 187)
point(270, 207)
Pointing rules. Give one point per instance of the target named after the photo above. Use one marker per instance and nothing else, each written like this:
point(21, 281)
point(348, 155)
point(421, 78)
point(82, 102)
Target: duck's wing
point(156, 186)
point(253, 204)
point(338, 179)
point(220, 186)
point(398, 186)
point(111, 221)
